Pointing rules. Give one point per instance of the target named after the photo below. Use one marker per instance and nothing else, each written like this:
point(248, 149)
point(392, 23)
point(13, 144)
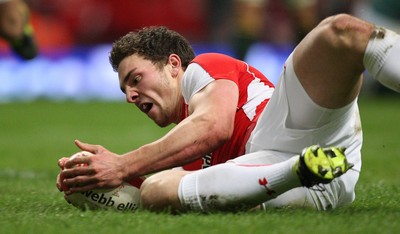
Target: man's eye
point(136, 79)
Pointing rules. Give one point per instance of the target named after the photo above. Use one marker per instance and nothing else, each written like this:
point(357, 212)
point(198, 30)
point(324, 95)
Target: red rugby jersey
point(254, 93)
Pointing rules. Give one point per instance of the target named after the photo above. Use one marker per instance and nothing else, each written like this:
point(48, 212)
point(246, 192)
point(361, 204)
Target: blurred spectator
point(75, 38)
point(276, 22)
point(249, 20)
point(252, 21)
point(102, 21)
point(16, 29)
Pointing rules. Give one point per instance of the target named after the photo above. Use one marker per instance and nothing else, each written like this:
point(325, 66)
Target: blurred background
point(74, 38)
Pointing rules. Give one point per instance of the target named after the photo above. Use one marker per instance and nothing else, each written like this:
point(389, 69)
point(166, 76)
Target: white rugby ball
point(125, 198)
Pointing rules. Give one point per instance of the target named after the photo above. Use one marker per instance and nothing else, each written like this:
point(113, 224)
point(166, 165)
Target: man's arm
point(210, 124)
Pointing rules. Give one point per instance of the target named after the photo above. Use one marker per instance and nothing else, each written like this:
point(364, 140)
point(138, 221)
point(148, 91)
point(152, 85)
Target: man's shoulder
point(207, 56)
point(216, 61)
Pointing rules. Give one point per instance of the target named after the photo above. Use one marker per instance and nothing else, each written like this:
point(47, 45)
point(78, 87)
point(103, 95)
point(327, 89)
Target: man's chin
point(161, 122)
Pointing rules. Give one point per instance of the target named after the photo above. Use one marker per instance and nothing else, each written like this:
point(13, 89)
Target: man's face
point(151, 89)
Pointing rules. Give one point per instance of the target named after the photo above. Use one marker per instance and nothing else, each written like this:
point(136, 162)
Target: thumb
point(61, 162)
point(87, 147)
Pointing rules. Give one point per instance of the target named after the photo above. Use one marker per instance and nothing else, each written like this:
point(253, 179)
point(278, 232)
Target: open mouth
point(146, 107)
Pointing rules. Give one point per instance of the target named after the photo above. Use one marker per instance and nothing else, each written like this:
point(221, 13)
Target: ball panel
point(123, 198)
point(126, 197)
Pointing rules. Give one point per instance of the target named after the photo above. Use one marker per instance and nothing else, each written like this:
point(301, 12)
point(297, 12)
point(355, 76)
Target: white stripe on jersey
point(196, 78)
point(257, 92)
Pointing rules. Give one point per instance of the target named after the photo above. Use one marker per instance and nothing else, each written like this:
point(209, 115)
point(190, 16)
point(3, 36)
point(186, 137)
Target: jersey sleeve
point(194, 79)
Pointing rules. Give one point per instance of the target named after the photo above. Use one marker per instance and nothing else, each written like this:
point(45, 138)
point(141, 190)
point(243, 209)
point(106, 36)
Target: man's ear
point(175, 61)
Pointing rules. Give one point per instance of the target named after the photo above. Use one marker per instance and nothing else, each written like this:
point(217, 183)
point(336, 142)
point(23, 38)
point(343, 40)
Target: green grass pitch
point(34, 135)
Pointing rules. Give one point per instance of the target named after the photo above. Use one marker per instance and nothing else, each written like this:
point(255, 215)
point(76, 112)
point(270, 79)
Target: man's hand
point(59, 180)
point(102, 170)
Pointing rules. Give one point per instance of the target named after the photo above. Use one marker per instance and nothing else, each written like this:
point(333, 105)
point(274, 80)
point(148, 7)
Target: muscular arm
point(208, 126)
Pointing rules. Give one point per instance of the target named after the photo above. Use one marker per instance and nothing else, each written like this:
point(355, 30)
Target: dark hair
point(154, 44)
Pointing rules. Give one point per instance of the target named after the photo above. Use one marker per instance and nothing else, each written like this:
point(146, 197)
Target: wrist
point(130, 167)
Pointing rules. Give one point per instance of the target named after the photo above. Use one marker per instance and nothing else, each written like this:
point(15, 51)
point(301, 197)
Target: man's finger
point(87, 147)
point(80, 184)
point(61, 162)
point(68, 173)
point(79, 160)
point(58, 183)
